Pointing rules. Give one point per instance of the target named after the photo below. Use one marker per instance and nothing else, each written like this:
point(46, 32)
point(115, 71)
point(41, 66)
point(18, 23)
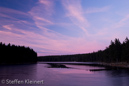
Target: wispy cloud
point(122, 22)
point(40, 42)
point(10, 11)
point(75, 13)
point(43, 39)
point(48, 4)
point(115, 29)
point(7, 27)
point(96, 10)
point(12, 16)
point(41, 13)
point(44, 20)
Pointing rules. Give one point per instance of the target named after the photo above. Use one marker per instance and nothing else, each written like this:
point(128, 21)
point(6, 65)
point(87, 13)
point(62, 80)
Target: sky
point(60, 27)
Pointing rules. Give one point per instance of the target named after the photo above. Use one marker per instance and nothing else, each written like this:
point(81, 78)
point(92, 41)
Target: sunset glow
point(59, 27)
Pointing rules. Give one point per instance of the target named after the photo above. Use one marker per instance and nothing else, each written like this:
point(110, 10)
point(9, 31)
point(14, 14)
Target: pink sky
point(58, 27)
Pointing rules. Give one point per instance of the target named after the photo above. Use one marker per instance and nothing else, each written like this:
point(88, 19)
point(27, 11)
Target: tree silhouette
point(115, 52)
point(16, 54)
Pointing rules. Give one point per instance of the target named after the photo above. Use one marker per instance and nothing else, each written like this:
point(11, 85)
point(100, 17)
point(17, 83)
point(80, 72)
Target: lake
point(43, 74)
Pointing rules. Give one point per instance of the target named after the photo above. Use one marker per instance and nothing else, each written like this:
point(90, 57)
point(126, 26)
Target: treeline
point(115, 52)
point(16, 54)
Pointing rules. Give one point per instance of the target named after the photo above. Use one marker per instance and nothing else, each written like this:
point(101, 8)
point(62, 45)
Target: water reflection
point(103, 77)
point(20, 72)
point(118, 73)
point(74, 75)
point(72, 71)
point(117, 77)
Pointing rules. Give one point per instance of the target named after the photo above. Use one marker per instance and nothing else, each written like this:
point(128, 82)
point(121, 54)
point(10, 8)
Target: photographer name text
point(17, 81)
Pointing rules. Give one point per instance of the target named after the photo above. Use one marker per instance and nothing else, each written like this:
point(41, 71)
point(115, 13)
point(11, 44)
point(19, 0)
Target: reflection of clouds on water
point(73, 68)
point(72, 71)
point(84, 67)
point(75, 75)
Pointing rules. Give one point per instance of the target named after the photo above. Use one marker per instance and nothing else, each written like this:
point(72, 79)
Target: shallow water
point(75, 75)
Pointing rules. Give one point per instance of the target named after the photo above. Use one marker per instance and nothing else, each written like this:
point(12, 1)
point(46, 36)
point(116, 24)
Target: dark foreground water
point(75, 75)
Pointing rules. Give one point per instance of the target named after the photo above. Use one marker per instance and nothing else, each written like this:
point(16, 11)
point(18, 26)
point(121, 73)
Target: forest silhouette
point(11, 54)
point(115, 52)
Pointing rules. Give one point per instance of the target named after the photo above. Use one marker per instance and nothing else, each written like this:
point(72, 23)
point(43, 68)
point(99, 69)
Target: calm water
point(76, 75)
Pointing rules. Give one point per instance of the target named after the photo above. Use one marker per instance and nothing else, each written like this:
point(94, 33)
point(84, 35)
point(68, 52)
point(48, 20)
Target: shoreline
point(115, 64)
point(100, 64)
